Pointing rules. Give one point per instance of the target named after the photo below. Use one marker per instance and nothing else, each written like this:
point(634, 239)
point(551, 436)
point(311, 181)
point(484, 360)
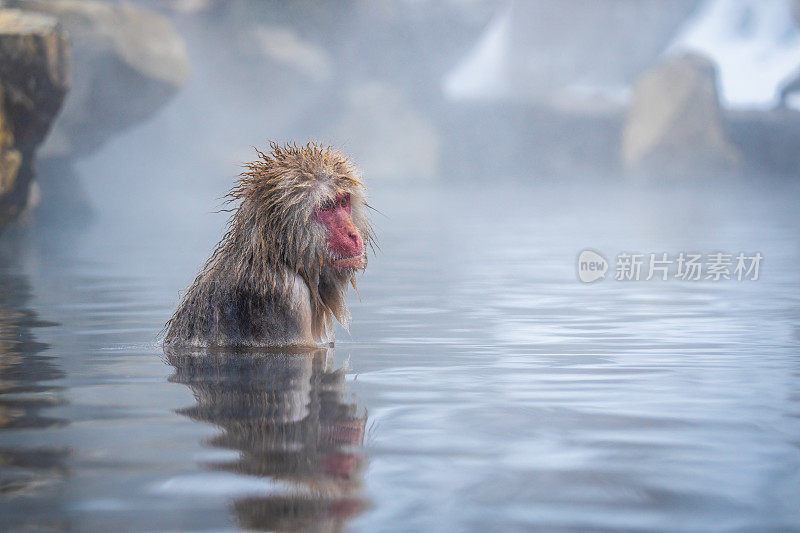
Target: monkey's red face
point(344, 241)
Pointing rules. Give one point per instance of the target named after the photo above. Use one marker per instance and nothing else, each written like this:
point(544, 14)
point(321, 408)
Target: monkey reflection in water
point(289, 416)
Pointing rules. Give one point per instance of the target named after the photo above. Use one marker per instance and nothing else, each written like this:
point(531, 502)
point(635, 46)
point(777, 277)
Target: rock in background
point(34, 78)
point(675, 125)
point(128, 62)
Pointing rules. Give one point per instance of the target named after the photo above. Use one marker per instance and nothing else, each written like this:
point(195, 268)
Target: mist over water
point(481, 385)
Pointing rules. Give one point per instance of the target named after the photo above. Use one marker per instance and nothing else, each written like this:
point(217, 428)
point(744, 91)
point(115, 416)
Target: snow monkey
point(279, 275)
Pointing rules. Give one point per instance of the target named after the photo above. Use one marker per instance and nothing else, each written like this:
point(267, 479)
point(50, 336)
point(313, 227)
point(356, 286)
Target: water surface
point(481, 386)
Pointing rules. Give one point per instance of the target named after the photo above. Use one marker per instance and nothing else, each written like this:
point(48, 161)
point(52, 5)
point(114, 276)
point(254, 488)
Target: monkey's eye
point(343, 201)
point(326, 205)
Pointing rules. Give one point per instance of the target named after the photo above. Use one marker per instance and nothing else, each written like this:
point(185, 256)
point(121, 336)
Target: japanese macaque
point(279, 275)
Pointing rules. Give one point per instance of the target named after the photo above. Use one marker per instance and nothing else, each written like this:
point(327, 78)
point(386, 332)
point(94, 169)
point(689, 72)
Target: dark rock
point(34, 77)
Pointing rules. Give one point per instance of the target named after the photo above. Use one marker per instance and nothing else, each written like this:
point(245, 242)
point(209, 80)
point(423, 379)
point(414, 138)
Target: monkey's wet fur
point(279, 275)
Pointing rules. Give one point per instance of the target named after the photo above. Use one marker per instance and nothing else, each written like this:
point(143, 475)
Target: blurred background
point(481, 385)
point(413, 90)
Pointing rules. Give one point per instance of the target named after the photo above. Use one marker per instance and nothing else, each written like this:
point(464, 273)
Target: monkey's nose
point(354, 243)
point(345, 240)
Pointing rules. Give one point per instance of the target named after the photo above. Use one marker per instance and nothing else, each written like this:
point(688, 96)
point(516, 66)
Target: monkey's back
point(230, 313)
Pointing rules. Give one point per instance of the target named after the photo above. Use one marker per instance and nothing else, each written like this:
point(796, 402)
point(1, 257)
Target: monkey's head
point(304, 208)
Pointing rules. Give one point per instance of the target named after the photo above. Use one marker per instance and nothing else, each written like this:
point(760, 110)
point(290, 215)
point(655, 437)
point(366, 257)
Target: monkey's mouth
point(355, 261)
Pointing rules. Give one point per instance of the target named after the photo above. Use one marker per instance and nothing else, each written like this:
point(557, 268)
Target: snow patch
point(754, 43)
